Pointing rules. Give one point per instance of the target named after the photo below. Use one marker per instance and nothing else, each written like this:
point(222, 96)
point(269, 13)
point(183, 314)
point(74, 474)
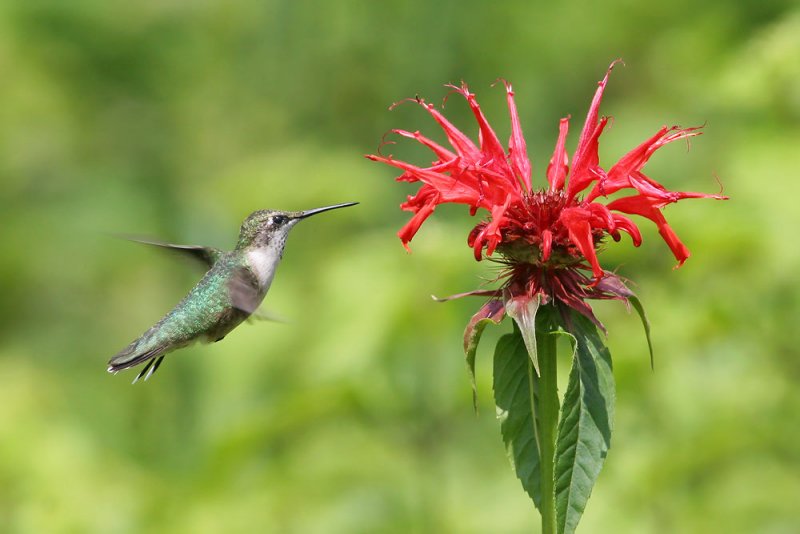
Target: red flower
point(547, 237)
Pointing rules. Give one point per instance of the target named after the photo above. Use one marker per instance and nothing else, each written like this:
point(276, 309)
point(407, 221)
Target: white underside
point(263, 262)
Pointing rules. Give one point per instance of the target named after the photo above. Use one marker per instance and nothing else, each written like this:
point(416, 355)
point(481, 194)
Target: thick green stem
point(547, 419)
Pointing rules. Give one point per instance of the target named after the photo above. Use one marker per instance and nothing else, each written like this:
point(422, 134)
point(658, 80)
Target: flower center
point(532, 232)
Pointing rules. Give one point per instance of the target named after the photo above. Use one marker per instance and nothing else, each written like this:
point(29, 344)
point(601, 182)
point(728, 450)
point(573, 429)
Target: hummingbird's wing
point(244, 290)
point(208, 256)
point(261, 315)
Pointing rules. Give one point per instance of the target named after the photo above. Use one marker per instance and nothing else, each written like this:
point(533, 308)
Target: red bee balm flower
point(548, 238)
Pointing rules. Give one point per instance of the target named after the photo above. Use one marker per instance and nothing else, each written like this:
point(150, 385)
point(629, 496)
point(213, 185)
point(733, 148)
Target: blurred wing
point(244, 290)
point(208, 256)
point(266, 316)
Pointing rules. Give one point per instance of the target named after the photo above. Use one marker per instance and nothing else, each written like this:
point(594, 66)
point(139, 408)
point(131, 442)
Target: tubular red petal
point(679, 250)
point(455, 190)
point(635, 204)
point(492, 230)
point(517, 148)
point(632, 162)
point(407, 232)
point(601, 217)
point(490, 144)
point(489, 235)
point(576, 221)
point(641, 205)
point(661, 196)
point(492, 152)
point(477, 245)
point(460, 142)
point(407, 177)
point(590, 125)
point(646, 186)
point(426, 192)
point(559, 163)
point(627, 225)
point(547, 244)
point(488, 182)
point(585, 162)
point(442, 153)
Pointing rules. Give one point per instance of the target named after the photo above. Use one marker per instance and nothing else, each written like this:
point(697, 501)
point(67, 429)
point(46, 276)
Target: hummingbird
point(233, 287)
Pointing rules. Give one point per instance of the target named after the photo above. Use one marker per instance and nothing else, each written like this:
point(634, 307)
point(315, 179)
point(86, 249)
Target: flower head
point(547, 237)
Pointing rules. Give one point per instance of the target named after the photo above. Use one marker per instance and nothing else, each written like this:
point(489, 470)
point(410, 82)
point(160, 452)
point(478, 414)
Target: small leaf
point(491, 312)
point(523, 311)
point(637, 305)
point(613, 284)
point(584, 429)
point(515, 393)
point(476, 293)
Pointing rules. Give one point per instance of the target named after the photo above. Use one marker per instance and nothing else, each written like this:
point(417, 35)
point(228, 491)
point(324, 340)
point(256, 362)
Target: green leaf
point(514, 393)
point(491, 312)
point(523, 311)
point(584, 429)
point(614, 285)
point(637, 305)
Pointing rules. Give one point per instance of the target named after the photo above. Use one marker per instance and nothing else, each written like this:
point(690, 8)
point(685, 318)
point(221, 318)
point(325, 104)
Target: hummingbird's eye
point(278, 220)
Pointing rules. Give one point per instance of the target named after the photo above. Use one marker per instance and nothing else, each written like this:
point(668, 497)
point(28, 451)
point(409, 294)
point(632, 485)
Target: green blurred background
point(175, 119)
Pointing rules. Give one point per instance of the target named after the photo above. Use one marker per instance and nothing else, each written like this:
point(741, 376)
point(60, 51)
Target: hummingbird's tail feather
point(148, 370)
point(131, 357)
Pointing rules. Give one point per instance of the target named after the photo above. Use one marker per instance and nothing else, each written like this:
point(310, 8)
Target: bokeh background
point(176, 119)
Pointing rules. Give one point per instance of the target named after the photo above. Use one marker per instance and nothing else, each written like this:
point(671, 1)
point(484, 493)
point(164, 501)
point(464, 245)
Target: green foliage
point(558, 469)
point(523, 311)
point(637, 305)
point(490, 313)
point(585, 424)
point(174, 120)
point(515, 393)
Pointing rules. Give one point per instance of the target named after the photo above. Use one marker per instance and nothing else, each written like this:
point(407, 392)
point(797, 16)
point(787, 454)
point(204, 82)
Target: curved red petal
point(587, 143)
point(547, 244)
point(660, 195)
point(493, 155)
point(576, 221)
point(585, 162)
point(619, 176)
point(601, 217)
point(641, 205)
point(460, 142)
point(492, 231)
point(453, 189)
point(559, 164)
point(407, 232)
point(628, 226)
point(441, 152)
point(517, 149)
point(490, 143)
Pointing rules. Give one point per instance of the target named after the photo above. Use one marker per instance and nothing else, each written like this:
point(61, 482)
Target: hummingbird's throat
point(262, 262)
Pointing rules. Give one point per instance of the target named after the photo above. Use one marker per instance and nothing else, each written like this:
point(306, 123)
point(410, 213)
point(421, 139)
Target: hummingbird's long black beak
point(309, 213)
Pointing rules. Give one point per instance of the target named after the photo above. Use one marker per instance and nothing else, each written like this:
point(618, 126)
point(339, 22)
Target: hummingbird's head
point(269, 228)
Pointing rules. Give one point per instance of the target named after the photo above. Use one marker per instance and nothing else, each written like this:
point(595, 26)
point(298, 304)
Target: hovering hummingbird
point(231, 290)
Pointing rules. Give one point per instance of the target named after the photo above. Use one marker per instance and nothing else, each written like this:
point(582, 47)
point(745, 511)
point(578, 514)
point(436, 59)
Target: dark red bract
point(547, 237)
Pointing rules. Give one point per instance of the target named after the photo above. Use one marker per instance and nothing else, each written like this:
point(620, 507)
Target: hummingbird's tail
point(133, 355)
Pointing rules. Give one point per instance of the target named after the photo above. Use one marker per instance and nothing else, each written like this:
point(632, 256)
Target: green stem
point(547, 419)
